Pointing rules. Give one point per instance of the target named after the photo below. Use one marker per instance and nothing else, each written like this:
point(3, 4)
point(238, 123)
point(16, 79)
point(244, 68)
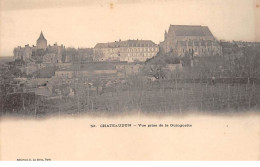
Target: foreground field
point(176, 97)
point(155, 97)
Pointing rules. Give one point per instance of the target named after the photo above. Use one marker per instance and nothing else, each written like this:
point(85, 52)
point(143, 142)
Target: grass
point(148, 97)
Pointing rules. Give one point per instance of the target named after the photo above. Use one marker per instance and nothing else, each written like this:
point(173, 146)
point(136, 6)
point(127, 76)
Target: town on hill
point(190, 69)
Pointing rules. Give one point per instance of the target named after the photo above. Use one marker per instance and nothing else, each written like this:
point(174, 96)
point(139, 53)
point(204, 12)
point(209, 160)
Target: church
point(189, 39)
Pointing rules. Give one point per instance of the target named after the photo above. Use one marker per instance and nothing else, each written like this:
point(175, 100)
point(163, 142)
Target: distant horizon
point(76, 47)
point(82, 24)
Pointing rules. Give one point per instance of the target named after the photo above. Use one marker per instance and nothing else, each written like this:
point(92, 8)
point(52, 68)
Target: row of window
point(141, 45)
point(144, 54)
point(135, 45)
point(196, 49)
point(136, 49)
point(142, 49)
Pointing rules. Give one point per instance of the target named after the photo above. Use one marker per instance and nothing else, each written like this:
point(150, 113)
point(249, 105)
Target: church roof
point(41, 37)
point(188, 30)
point(128, 43)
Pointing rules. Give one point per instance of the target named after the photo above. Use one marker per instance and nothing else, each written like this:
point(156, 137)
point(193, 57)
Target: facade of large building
point(42, 52)
point(187, 39)
point(130, 50)
point(23, 53)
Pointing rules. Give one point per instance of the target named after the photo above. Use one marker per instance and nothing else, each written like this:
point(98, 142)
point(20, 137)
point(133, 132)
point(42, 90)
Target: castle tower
point(41, 42)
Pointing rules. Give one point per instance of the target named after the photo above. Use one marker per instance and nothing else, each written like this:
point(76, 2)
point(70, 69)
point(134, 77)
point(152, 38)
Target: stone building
point(130, 50)
point(53, 54)
point(187, 39)
point(50, 58)
point(41, 42)
point(41, 53)
point(23, 53)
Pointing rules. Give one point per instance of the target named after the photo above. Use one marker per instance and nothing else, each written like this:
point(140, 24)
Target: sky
point(83, 23)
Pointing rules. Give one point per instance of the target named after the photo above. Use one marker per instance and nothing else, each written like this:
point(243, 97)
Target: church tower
point(41, 42)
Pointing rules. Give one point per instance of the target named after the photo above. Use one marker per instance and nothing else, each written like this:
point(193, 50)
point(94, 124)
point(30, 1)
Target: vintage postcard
point(125, 80)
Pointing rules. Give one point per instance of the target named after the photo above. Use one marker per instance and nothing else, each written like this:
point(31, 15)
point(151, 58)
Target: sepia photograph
point(129, 80)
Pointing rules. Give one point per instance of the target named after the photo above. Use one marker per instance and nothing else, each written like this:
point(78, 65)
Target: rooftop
point(41, 37)
point(190, 30)
point(128, 43)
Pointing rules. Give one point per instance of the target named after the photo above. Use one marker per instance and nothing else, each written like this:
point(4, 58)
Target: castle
point(41, 53)
point(187, 39)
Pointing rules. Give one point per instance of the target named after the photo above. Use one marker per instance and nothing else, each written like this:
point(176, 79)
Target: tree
point(251, 61)
point(186, 60)
point(155, 69)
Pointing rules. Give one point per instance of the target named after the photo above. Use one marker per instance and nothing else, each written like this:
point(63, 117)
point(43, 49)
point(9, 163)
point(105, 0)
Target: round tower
point(41, 42)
